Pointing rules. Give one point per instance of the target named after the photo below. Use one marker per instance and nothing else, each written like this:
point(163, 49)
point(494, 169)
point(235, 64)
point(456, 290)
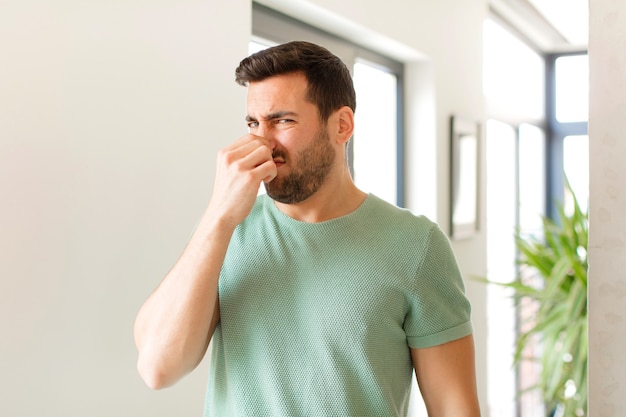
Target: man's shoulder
point(395, 216)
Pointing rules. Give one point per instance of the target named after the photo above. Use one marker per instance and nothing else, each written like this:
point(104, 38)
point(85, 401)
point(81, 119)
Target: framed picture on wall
point(464, 143)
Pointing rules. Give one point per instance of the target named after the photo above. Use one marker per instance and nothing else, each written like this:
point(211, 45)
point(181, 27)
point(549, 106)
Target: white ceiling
point(551, 25)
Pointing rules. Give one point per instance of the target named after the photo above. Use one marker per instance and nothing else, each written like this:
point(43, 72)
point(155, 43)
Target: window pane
point(375, 136)
point(258, 45)
point(513, 75)
point(572, 88)
point(532, 191)
point(576, 167)
point(501, 208)
point(532, 178)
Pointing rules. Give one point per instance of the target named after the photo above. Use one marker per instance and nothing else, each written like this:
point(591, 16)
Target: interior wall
point(607, 205)
point(111, 117)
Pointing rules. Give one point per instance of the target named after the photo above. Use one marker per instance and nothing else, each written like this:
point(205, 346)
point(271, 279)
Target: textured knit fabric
point(318, 319)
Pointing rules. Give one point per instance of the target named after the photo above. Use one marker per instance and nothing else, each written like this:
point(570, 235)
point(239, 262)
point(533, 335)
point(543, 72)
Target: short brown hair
point(329, 81)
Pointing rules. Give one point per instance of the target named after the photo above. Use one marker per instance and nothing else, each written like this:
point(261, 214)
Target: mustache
point(279, 154)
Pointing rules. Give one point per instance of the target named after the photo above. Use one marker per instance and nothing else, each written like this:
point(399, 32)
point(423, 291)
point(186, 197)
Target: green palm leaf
point(558, 260)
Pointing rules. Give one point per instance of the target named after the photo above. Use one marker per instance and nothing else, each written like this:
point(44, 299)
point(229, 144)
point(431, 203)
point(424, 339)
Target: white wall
point(110, 117)
point(607, 224)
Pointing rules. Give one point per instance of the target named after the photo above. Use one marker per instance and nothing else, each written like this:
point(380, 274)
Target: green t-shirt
point(317, 319)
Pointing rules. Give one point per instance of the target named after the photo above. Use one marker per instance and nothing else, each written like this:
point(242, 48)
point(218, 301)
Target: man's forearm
point(174, 326)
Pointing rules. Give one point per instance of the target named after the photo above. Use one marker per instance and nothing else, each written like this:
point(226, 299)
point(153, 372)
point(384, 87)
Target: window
point(532, 177)
point(571, 77)
point(568, 104)
point(576, 168)
point(536, 136)
point(374, 160)
point(513, 76)
point(514, 86)
point(375, 151)
point(501, 148)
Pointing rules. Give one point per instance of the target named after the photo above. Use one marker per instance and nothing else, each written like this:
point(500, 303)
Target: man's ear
point(345, 124)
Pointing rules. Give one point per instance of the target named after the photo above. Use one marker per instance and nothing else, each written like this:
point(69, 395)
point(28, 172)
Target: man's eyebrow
point(273, 116)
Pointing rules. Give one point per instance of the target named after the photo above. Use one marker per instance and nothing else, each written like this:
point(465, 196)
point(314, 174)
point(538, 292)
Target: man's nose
point(264, 130)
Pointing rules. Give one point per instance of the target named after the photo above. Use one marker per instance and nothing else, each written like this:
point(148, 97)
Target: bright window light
point(532, 178)
point(572, 88)
point(501, 204)
point(375, 136)
point(569, 17)
point(258, 45)
point(576, 167)
point(513, 75)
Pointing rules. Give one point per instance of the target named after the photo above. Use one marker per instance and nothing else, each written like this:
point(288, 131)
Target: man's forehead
point(277, 95)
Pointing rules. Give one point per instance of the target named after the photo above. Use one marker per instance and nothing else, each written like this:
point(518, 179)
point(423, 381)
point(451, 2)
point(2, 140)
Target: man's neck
point(331, 201)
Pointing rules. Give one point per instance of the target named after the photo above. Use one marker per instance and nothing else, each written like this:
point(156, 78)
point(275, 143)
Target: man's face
point(279, 112)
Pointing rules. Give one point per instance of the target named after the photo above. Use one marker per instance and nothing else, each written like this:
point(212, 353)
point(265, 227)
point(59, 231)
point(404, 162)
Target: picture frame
point(464, 177)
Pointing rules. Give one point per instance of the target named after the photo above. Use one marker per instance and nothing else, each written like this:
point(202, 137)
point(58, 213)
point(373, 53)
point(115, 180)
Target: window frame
point(556, 132)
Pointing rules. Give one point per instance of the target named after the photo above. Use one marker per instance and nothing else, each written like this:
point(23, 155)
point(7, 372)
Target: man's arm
point(175, 325)
point(446, 376)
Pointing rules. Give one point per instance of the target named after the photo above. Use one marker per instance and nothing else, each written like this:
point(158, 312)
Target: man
point(320, 299)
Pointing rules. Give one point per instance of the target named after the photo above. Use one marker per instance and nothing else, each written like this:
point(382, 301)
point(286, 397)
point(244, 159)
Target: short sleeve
point(439, 311)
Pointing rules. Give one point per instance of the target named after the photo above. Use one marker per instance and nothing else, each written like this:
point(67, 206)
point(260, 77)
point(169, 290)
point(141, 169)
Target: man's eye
point(253, 125)
point(284, 121)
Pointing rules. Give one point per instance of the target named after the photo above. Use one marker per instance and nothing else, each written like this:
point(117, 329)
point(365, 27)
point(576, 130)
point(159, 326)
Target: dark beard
point(314, 164)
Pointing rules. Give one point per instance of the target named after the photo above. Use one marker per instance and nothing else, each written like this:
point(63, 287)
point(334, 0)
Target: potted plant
point(559, 322)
